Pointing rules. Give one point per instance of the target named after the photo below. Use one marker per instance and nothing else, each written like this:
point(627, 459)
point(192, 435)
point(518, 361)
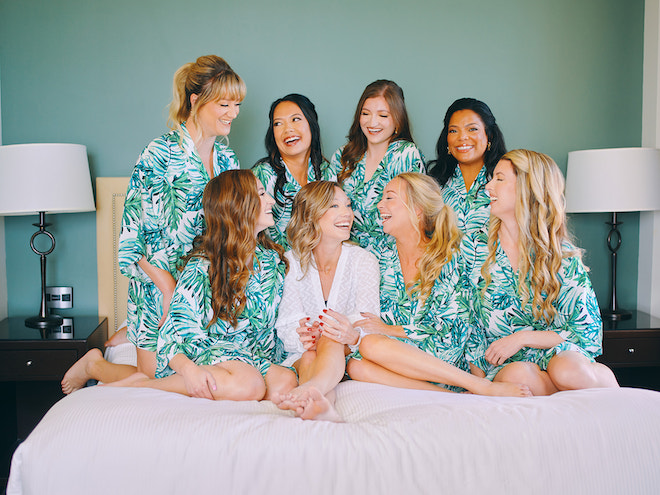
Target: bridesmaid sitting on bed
point(537, 308)
point(425, 336)
point(327, 276)
point(218, 341)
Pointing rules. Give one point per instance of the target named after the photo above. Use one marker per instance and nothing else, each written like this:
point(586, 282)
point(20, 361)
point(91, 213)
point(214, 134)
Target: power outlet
point(59, 297)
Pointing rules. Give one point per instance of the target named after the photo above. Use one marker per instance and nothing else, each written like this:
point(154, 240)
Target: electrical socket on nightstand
point(59, 297)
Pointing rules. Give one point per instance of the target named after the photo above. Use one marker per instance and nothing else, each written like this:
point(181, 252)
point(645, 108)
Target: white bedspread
point(123, 441)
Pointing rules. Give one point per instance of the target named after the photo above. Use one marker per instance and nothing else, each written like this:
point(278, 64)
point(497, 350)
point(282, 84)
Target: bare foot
point(309, 403)
point(504, 389)
point(76, 377)
point(137, 379)
point(119, 337)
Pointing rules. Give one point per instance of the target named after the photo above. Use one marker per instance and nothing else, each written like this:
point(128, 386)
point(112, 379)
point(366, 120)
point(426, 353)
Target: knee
point(357, 369)
point(571, 372)
point(519, 372)
point(251, 387)
point(371, 344)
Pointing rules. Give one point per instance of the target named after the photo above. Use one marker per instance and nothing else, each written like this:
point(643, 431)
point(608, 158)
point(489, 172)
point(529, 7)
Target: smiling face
point(502, 191)
point(394, 211)
point(336, 222)
point(466, 138)
point(293, 136)
point(376, 121)
point(215, 117)
point(265, 219)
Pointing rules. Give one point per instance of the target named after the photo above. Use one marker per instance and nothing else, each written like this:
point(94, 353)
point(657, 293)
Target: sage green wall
point(559, 75)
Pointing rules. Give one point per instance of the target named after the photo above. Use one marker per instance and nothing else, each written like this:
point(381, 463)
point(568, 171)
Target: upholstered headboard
point(112, 285)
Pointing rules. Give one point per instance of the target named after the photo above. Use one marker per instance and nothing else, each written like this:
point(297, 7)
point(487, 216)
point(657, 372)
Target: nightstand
point(632, 349)
point(31, 368)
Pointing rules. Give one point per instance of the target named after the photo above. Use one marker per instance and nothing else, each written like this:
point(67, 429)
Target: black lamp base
point(615, 315)
point(43, 322)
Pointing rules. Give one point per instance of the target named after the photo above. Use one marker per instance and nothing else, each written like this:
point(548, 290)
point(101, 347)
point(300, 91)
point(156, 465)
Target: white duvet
point(110, 440)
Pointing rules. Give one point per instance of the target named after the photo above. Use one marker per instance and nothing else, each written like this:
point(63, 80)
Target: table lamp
point(613, 180)
point(39, 179)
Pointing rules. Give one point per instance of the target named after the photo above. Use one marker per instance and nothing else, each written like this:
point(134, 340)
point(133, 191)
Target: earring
point(488, 147)
point(448, 152)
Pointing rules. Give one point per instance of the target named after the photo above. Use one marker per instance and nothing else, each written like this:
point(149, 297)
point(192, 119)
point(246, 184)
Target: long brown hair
point(357, 141)
point(231, 208)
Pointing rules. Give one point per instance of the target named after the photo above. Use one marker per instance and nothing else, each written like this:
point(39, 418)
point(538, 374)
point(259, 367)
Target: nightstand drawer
point(638, 351)
point(36, 364)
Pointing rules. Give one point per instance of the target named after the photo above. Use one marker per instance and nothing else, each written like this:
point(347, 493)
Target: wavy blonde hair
point(540, 211)
point(309, 205)
point(211, 78)
point(435, 225)
point(231, 209)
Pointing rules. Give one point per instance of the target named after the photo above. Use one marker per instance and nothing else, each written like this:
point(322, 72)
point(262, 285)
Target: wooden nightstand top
point(13, 329)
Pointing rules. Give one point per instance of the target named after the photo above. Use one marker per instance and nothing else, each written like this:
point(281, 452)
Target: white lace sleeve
point(291, 310)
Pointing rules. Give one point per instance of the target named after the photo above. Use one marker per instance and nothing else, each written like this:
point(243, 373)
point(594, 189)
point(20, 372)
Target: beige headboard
point(113, 286)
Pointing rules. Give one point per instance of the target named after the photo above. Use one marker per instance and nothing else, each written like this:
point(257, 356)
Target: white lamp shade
point(613, 180)
point(53, 178)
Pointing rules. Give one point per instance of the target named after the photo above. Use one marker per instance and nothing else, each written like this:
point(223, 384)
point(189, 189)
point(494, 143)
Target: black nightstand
point(632, 349)
point(31, 368)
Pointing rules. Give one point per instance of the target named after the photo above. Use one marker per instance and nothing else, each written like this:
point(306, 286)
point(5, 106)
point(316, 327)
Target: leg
point(409, 361)
point(235, 381)
point(570, 370)
point(319, 372)
point(530, 374)
point(119, 337)
point(279, 381)
point(367, 371)
point(92, 366)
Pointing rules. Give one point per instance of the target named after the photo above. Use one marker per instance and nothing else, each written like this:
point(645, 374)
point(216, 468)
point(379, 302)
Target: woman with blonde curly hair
point(425, 340)
point(537, 308)
point(330, 281)
point(218, 341)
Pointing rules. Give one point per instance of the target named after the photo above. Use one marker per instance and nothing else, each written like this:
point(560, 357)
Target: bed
point(120, 440)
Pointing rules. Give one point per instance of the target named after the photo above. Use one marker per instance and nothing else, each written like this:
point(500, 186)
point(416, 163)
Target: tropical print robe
point(500, 312)
point(401, 156)
point(282, 212)
point(162, 215)
point(440, 324)
point(472, 207)
point(253, 340)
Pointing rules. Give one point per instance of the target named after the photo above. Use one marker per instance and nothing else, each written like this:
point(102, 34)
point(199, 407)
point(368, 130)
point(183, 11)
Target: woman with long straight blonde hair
point(423, 340)
point(330, 282)
point(537, 308)
point(218, 341)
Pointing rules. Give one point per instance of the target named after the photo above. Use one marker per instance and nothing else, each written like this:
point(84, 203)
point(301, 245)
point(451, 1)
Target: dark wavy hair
point(357, 141)
point(275, 159)
point(442, 168)
point(231, 208)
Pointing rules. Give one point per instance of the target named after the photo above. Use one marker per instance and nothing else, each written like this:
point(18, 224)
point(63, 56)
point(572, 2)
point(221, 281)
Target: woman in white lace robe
point(329, 284)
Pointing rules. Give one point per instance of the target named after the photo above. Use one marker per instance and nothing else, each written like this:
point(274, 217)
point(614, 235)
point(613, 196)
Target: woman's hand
point(373, 324)
point(502, 349)
point(161, 279)
point(199, 381)
point(308, 334)
point(337, 327)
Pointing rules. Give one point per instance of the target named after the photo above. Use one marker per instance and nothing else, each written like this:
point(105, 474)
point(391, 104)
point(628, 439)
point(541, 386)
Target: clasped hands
point(338, 327)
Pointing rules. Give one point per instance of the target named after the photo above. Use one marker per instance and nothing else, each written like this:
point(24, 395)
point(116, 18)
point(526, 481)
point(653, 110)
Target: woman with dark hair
point(218, 341)
point(380, 146)
point(293, 144)
point(469, 147)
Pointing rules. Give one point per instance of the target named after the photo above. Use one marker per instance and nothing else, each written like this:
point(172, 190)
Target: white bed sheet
point(120, 440)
